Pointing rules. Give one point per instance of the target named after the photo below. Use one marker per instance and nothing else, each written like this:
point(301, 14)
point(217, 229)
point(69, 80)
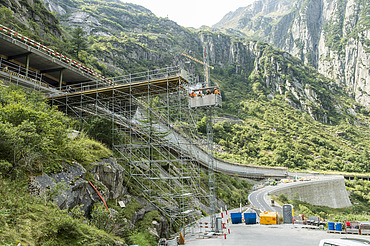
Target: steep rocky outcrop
point(111, 174)
point(331, 36)
point(71, 188)
point(30, 15)
point(280, 73)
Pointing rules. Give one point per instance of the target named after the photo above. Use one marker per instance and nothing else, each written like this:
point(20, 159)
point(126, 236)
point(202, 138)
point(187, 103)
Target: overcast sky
point(192, 13)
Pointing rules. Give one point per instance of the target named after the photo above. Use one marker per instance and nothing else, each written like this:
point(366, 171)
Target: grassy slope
point(275, 134)
point(31, 220)
point(33, 138)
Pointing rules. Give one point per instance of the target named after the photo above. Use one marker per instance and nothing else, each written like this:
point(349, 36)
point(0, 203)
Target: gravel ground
point(266, 235)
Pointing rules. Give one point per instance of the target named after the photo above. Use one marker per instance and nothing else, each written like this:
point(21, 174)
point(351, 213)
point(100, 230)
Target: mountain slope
point(331, 36)
point(283, 113)
point(133, 39)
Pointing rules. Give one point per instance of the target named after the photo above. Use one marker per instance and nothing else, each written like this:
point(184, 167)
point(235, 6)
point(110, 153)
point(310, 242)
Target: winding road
point(322, 190)
point(261, 200)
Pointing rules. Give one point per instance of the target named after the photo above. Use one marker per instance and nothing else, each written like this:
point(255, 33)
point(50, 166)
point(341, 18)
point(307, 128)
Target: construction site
point(152, 121)
point(153, 116)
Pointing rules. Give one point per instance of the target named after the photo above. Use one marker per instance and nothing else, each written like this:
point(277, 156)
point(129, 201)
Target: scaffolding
point(152, 118)
point(150, 112)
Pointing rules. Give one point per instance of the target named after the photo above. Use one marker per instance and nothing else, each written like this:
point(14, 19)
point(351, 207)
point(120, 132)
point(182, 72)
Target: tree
point(79, 41)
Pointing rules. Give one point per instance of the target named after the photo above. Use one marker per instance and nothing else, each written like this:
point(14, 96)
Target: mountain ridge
point(331, 36)
point(245, 69)
point(288, 115)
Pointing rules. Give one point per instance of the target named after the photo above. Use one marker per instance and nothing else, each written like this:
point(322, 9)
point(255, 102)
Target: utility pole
point(240, 204)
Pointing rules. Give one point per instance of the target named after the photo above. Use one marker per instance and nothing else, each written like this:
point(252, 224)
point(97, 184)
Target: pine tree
point(79, 41)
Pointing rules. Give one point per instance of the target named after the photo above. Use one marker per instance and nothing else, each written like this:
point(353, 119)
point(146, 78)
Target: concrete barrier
point(329, 191)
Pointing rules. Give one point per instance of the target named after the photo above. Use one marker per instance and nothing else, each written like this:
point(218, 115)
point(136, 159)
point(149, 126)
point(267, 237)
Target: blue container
point(338, 226)
point(331, 226)
point(250, 218)
point(236, 218)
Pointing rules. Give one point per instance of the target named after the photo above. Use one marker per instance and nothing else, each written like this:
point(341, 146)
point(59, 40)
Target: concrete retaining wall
point(330, 192)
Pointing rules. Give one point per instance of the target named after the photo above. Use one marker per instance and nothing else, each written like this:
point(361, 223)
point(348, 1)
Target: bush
point(142, 239)
point(283, 198)
point(27, 220)
point(101, 218)
point(34, 136)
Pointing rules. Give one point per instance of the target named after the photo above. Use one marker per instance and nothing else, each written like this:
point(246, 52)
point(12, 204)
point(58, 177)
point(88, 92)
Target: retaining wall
point(330, 192)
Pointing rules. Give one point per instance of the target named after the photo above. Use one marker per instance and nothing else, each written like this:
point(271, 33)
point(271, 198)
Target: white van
point(344, 242)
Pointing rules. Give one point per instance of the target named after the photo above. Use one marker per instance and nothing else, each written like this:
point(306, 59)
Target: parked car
point(344, 242)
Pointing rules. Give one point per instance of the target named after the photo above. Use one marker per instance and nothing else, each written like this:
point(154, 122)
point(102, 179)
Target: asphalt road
point(266, 235)
point(260, 200)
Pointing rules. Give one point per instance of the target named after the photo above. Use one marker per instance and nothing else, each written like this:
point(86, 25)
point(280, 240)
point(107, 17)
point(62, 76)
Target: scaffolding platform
point(136, 89)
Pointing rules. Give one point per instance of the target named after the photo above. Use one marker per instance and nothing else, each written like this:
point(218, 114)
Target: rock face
point(70, 188)
point(333, 36)
point(32, 15)
point(91, 20)
point(281, 73)
point(67, 189)
point(111, 174)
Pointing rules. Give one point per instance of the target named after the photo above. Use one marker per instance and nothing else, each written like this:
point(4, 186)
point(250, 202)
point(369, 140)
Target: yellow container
point(269, 218)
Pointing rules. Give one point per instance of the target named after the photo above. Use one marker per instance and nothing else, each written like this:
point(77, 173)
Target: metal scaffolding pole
point(211, 168)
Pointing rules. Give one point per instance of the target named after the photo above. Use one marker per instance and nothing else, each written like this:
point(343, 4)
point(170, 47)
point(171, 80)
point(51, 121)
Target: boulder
point(67, 188)
point(111, 174)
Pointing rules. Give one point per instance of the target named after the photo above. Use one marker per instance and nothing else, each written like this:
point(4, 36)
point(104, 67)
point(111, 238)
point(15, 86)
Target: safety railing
point(152, 75)
point(19, 71)
point(46, 50)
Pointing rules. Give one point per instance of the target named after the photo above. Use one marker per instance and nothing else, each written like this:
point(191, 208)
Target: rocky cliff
point(31, 17)
point(273, 72)
point(129, 38)
point(333, 36)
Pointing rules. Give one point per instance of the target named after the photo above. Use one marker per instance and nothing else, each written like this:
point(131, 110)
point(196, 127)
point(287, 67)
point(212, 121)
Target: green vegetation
point(287, 130)
point(121, 223)
point(35, 138)
point(360, 194)
point(334, 28)
point(319, 134)
point(78, 41)
point(232, 190)
point(30, 220)
point(281, 136)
